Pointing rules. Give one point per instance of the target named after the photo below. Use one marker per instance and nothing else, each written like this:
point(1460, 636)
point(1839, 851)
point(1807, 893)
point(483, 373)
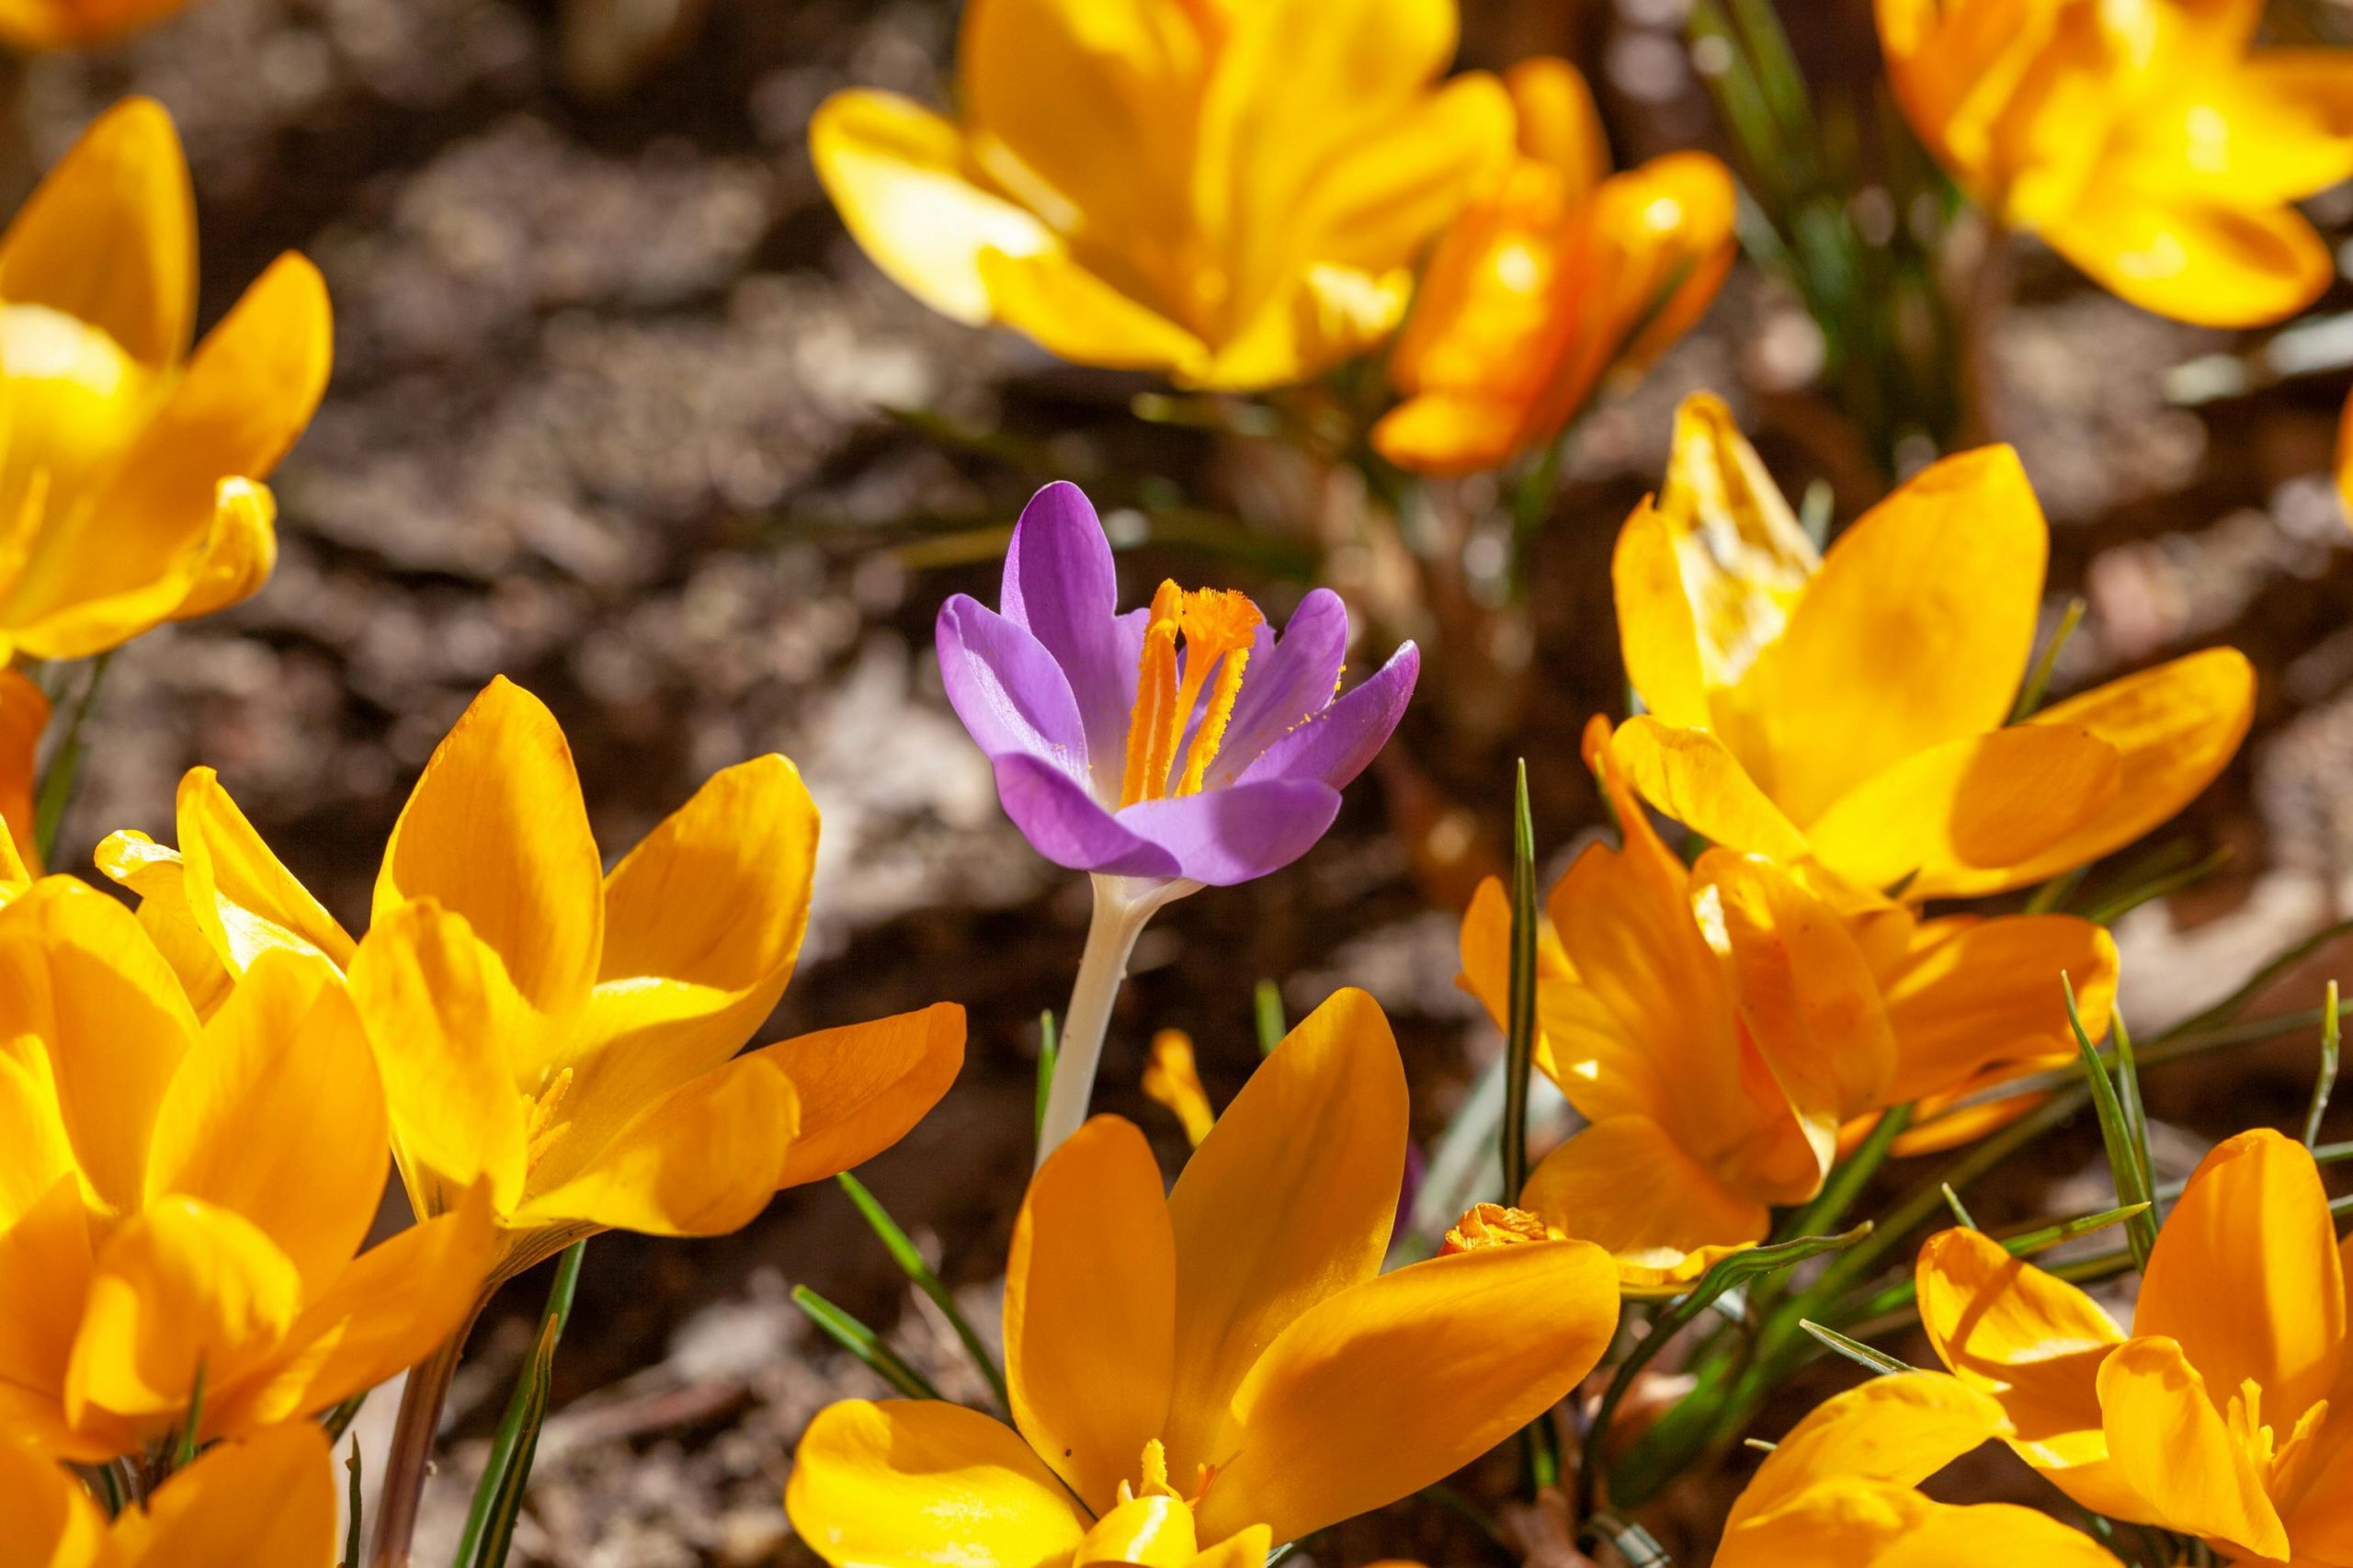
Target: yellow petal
point(2255, 1214)
point(266, 1502)
point(1090, 1300)
point(24, 714)
point(1445, 434)
point(1690, 775)
point(1486, 952)
point(917, 1484)
point(2197, 259)
point(137, 552)
point(1245, 1549)
point(2033, 1342)
point(122, 192)
point(1969, 994)
point(1995, 1532)
point(238, 552)
point(862, 1088)
point(1807, 995)
point(1076, 315)
point(702, 922)
point(1901, 1429)
point(51, 1521)
point(1657, 633)
point(898, 174)
point(81, 985)
point(1975, 813)
point(391, 1306)
point(1173, 1080)
point(178, 1287)
point(1558, 124)
point(497, 831)
point(1379, 1391)
point(277, 1115)
point(438, 1008)
point(701, 1161)
point(1145, 1532)
point(1290, 1199)
point(2168, 1443)
point(1914, 633)
point(2173, 728)
point(44, 1276)
point(1664, 1229)
point(243, 900)
point(158, 876)
point(1837, 1519)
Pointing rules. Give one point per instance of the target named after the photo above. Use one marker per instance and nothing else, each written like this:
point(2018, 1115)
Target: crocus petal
point(1971, 993)
point(2168, 1443)
point(862, 1088)
point(917, 1484)
point(2320, 1522)
point(1558, 125)
point(1059, 584)
point(1903, 1429)
point(181, 1288)
point(701, 1161)
point(1292, 680)
point(1337, 743)
point(391, 1308)
point(81, 985)
point(52, 1520)
point(2032, 1341)
point(24, 714)
point(896, 173)
point(1807, 995)
point(1994, 1532)
point(240, 896)
point(497, 832)
point(1069, 310)
point(1143, 1532)
point(2255, 1214)
point(1655, 1227)
point(1970, 813)
point(1006, 687)
point(1913, 634)
point(246, 395)
point(1090, 1299)
point(277, 1115)
point(437, 1005)
point(1849, 1520)
point(1690, 775)
point(2173, 728)
point(1657, 631)
point(44, 1276)
point(1224, 836)
point(121, 193)
point(267, 1501)
point(703, 922)
point(1063, 821)
point(1486, 958)
point(1379, 1391)
point(237, 553)
point(1445, 433)
point(1291, 1197)
point(2196, 259)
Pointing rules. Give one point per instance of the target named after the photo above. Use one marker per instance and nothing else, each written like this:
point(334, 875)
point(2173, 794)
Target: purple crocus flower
point(1225, 765)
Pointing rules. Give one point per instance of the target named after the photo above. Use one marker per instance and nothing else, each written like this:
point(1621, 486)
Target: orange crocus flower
point(1562, 272)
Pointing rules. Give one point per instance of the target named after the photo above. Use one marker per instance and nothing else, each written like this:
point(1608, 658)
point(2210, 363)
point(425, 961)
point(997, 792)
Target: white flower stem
point(1123, 906)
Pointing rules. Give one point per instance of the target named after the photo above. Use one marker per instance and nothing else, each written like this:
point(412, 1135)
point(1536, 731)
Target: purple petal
point(1007, 688)
point(1223, 836)
point(1284, 684)
point(1336, 744)
point(1059, 584)
point(1063, 821)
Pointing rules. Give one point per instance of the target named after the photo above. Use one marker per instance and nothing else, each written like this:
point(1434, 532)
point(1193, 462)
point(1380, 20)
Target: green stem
point(510, 1437)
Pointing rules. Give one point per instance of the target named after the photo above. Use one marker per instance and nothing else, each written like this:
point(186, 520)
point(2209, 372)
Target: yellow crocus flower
point(267, 1501)
point(1232, 194)
point(1544, 285)
point(40, 24)
point(567, 1036)
point(1720, 1025)
point(2143, 139)
point(1853, 708)
point(1840, 1489)
point(183, 1201)
point(24, 713)
point(129, 466)
point(2228, 1411)
point(1196, 1375)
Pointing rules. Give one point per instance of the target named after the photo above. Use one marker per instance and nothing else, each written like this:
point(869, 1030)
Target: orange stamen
point(1217, 626)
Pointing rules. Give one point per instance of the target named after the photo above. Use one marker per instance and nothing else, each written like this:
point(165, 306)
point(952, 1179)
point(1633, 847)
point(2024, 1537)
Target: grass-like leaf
point(498, 1497)
point(2331, 1028)
point(862, 1342)
point(2127, 1146)
point(1855, 1350)
point(918, 1272)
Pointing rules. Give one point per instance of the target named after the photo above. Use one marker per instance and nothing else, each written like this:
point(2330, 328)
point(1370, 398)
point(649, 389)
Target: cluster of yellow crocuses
point(204, 1079)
